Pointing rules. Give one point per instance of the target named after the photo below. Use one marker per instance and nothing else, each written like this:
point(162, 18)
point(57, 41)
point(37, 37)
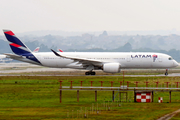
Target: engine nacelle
point(111, 67)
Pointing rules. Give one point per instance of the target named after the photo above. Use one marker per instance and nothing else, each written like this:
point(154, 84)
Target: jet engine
point(111, 67)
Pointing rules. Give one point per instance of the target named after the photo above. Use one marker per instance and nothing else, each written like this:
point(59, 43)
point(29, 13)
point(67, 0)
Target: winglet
point(56, 53)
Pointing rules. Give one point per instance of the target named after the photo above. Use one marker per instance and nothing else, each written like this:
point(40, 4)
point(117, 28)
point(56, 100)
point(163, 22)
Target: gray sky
point(89, 15)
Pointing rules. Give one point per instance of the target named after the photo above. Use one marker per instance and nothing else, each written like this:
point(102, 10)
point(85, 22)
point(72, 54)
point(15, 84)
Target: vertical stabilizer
point(36, 50)
point(20, 48)
point(16, 45)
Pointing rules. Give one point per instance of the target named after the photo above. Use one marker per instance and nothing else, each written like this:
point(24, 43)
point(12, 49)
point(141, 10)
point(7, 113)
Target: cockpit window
point(170, 58)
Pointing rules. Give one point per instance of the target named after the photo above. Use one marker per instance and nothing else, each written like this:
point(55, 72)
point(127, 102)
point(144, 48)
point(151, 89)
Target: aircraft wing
point(83, 61)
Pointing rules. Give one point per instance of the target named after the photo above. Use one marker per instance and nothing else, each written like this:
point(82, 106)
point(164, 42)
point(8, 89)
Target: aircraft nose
point(175, 63)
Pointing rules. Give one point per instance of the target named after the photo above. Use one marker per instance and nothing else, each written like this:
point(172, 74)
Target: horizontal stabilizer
point(12, 55)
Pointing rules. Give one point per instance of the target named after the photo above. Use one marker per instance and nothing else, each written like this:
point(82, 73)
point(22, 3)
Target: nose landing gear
point(166, 73)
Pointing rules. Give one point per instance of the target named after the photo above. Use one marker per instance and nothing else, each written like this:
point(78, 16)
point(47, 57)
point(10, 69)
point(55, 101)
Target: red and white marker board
point(143, 97)
point(160, 99)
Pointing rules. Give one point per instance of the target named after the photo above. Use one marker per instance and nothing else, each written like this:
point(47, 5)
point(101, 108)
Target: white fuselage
point(126, 60)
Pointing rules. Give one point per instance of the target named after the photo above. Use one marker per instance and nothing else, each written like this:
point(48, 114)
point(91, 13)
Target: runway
point(26, 67)
point(15, 68)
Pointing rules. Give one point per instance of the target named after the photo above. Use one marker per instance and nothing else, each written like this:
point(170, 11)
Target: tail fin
point(16, 45)
point(37, 49)
point(60, 50)
point(19, 48)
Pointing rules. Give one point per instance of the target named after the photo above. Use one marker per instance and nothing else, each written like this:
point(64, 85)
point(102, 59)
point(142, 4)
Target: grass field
point(37, 97)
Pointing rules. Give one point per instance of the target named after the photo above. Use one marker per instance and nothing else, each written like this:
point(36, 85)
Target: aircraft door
point(160, 59)
point(128, 58)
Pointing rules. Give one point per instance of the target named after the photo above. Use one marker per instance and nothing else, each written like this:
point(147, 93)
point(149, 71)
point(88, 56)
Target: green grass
point(37, 97)
point(176, 117)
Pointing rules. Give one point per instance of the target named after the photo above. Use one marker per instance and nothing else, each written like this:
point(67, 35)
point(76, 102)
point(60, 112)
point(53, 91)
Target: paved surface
point(169, 116)
point(27, 68)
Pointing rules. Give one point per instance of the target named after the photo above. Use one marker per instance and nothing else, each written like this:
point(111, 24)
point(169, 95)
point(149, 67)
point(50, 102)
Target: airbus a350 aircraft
point(111, 62)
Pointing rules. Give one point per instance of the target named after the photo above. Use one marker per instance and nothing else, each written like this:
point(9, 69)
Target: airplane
point(37, 49)
point(110, 62)
point(60, 50)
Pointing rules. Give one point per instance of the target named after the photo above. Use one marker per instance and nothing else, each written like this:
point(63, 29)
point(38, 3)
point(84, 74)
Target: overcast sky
point(89, 15)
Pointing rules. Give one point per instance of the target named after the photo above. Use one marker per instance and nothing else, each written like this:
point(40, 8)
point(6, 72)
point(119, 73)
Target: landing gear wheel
point(90, 73)
point(87, 73)
point(166, 73)
point(93, 73)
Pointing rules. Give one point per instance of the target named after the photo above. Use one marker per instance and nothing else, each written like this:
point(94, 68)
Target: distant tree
point(126, 48)
point(44, 48)
point(53, 47)
point(103, 34)
point(32, 45)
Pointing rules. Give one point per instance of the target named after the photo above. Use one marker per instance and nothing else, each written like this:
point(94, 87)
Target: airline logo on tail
point(18, 47)
point(37, 49)
point(60, 50)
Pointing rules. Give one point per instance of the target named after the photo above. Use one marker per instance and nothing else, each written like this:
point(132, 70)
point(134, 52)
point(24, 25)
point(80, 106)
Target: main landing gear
point(90, 73)
point(166, 73)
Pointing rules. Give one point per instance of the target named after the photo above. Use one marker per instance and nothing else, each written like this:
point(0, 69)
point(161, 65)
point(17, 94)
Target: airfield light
point(120, 83)
point(101, 84)
point(127, 84)
point(60, 84)
point(71, 83)
point(111, 84)
point(81, 83)
point(91, 83)
point(167, 85)
point(136, 84)
point(146, 84)
point(157, 84)
point(177, 84)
